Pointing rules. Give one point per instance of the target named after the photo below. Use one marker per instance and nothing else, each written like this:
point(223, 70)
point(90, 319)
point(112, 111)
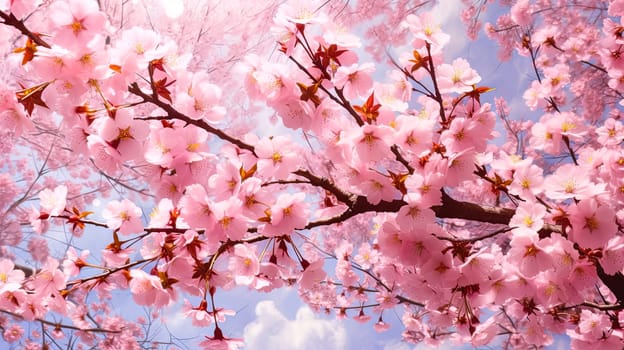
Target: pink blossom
point(49, 279)
point(414, 214)
point(301, 12)
point(527, 181)
point(381, 326)
point(312, 274)
point(425, 29)
point(73, 263)
point(611, 133)
point(19, 9)
point(287, 214)
point(200, 99)
point(199, 316)
point(226, 181)
point(520, 13)
point(375, 187)
point(195, 207)
point(53, 202)
point(528, 252)
point(219, 342)
point(104, 155)
point(528, 219)
point(612, 260)
point(276, 157)
point(371, 142)
point(354, 80)
point(38, 220)
point(124, 216)
point(592, 324)
point(414, 134)
point(12, 114)
point(147, 289)
point(366, 256)
point(13, 334)
point(229, 220)
point(77, 21)
point(10, 278)
point(295, 113)
point(458, 77)
point(593, 224)
point(243, 264)
point(567, 182)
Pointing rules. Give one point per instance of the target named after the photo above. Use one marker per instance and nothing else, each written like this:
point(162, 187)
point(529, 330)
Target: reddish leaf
point(369, 111)
point(29, 97)
point(29, 51)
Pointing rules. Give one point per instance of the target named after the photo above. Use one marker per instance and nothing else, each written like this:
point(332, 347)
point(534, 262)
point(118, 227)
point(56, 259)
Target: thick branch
point(453, 209)
point(326, 185)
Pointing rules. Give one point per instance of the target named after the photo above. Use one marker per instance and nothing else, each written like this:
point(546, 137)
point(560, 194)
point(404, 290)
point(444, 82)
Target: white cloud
point(272, 330)
point(447, 14)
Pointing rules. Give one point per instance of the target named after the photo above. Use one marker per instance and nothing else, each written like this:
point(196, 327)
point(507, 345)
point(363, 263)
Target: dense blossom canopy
point(336, 147)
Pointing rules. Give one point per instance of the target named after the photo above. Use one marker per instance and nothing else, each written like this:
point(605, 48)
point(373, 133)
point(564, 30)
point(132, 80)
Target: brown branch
point(172, 113)
point(604, 307)
point(341, 100)
point(11, 20)
point(327, 185)
point(453, 209)
point(61, 325)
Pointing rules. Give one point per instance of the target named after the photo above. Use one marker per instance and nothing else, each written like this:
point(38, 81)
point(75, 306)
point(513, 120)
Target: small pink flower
point(458, 77)
point(362, 317)
point(569, 182)
point(73, 262)
point(425, 29)
point(13, 333)
point(593, 324)
point(371, 142)
point(53, 202)
point(39, 220)
point(10, 278)
point(528, 219)
point(355, 80)
point(529, 254)
point(289, 212)
point(414, 215)
point(200, 99)
point(593, 225)
point(312, 274)
point(77, 21)
point(124, 216)
point(612, 260)
point(199, 315)
point(219, 342)
point(381, 326)
point(527, 181)
point(277, 157)
point(521, 13)
point(147, 289)
point(244, 264)
point(195, 207)
point(301, 12)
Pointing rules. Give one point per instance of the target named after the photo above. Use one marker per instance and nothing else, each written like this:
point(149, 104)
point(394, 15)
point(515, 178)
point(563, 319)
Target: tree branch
point(172, 113)
point(11, 20)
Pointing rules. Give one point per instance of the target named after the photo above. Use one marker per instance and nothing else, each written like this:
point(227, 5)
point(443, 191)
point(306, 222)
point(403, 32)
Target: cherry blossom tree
point(335, 147)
